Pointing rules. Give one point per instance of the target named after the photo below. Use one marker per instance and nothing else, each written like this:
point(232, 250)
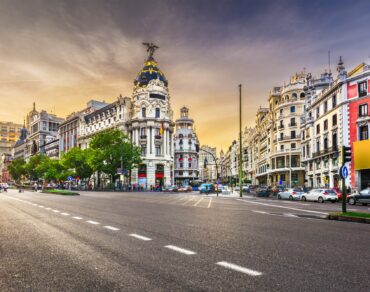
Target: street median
point(350, 217)
point(61, 192)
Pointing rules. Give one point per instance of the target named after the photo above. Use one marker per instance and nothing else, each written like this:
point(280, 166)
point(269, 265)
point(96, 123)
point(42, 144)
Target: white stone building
point(186, 156)
point(208, 173)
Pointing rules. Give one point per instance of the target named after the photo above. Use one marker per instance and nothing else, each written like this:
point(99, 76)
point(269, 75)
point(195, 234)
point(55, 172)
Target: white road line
point(34, 205)
point(48, 208)
point(92, 222)
point(196, 204)
point(111, 228)
point(284, 207)
point(239, 269)
point(181, 250)
point(64, 214)
point(190, 199)
point(40, 206)
point(260, 212)
point(290, 215)
point(209, 204)
point(77, 218)
point(140, 237)
point(56, 211)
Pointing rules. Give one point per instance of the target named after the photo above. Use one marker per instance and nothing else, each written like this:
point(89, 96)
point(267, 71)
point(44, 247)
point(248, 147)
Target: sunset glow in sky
point(61, 54)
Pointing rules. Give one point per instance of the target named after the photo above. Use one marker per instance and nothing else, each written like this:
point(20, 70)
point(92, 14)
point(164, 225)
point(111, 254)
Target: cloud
point(63, 53)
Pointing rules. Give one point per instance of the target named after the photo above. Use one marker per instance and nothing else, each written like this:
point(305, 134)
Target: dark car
point(363, 197)
point(263, 192)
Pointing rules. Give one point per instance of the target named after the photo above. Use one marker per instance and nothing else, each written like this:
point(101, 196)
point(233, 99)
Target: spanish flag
point(161, 130)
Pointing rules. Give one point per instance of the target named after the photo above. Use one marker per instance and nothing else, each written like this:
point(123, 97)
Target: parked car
point(362, 197)
point(263, 192)
point(276, 190)
point(320, 195)
point(206, 188)
point(290, 194)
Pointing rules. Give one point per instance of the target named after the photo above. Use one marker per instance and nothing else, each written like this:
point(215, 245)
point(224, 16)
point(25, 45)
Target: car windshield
point(296, 190)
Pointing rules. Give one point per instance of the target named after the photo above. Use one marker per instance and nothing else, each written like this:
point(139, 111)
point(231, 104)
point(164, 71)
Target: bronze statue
point(150, 49)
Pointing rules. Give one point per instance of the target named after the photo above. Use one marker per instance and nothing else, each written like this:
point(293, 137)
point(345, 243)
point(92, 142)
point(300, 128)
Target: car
point(290, 194)
point(277, 190)
point(320, 195)
point(263, 192)
point(206, 188)
point(171, 189)
point(362, 197)
point(185, 189)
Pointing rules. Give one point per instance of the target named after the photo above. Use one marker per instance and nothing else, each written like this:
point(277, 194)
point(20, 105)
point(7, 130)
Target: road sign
point(343, 172)
point(280, 182)
point(70, 178)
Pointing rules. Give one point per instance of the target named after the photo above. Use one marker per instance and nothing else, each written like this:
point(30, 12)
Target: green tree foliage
point(78, 162)
point(36, 166)
point(52, 169)
point(17, 169)
point(110, 149)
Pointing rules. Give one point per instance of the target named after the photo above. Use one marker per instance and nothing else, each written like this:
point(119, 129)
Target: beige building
point(9, 134)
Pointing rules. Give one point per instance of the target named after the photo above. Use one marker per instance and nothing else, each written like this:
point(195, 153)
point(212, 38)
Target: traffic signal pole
point(346, 157)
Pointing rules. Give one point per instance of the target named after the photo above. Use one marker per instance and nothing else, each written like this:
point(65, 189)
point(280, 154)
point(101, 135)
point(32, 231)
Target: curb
point(349, 219)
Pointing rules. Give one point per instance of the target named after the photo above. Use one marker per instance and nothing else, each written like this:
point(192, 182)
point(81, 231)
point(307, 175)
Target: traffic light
point(346, 154)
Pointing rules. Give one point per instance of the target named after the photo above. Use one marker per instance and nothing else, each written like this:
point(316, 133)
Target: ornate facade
point(186, 156)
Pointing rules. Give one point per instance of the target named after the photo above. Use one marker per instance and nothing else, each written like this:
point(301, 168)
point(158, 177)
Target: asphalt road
point(177, 242)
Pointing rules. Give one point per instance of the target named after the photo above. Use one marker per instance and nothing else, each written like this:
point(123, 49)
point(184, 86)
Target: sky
point(62, 53)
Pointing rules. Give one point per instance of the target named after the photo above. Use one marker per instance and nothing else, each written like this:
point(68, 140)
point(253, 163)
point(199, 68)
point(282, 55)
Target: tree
point(112, 149)
point(17, 169)
point(53, 169)
point(77, 161)
point(36, 166)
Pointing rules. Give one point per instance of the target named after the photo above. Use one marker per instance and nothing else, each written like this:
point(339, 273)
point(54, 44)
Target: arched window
point(294, 96)
point(181, 136)
point(143, 112)
point(286, 97)
point(302, 95)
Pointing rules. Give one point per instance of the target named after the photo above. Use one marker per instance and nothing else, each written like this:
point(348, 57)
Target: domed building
point(151, 125)
point(186, 155)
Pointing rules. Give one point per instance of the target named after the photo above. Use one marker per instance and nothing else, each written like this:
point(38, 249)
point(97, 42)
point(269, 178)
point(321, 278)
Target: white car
point(320, 195)
point(290, 194)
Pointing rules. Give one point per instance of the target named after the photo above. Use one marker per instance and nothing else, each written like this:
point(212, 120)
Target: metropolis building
point(146, 118)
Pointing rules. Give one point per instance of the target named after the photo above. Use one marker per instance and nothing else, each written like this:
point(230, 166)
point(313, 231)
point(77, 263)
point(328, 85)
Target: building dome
point(150, 71)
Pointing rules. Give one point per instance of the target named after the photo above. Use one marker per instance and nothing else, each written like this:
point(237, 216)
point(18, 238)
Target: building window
point(334, 120)
point(325, 143)
point(143, 112)
point(282, 147)
point(317, 112)
point(292, 109)
point(292, 135)
point(362, 89)
point(143, 150)
point(317, 129)
point(334, 101)
point(317, 145)
point(325, 125)
point(363, 110)
point(292, 122)
point(281, 112)
point(157, 112)
point(364, 132)
point(335, 141)
point(293, 146)
point(325, 106)
point(158, 151)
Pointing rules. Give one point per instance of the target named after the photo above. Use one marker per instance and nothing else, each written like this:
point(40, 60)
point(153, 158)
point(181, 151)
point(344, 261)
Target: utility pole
point(240, 143)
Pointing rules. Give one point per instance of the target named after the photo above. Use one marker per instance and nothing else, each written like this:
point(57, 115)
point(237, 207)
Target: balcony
point(142, 139)
point(281, 127)
point(292, 125)
point(289, 138)
point(326, 151)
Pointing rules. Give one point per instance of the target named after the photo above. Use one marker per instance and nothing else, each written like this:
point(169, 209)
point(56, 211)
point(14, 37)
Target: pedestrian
point(35, 187)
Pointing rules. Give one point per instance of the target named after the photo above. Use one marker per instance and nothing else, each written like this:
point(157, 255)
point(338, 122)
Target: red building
point(358, 96)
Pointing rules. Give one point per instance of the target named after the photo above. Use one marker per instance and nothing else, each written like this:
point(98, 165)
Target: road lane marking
point(260, 212)
point(284, 207)
point(239, 269)
point(180, 250)
point(48, 208)
point(196, 204)
point(140, 237)
point(209, 204)
point(111, 228)
point(77, 218)
point(92, 222)
point(56, 211)
point(64, 214)
point(189, 200)
point(290, 215)
point(41, 206)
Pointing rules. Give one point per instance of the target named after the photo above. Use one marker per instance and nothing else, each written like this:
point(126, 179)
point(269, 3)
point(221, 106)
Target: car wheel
point(304, 199)
point(333, 201)
point(279, 197)
point(352, 201)
point(320, 200)
point(291, 198)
